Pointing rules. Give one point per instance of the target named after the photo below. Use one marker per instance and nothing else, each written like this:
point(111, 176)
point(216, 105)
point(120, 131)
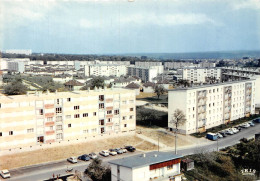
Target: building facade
point(211, 105)
point(105, 70)
point(146, 74)
point(28, 120)
point(200, 75)
point(151, 166)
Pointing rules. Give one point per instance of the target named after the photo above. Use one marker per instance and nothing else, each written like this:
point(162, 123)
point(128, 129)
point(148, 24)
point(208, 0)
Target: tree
point(178, 119)
point(98, 172)
point(159, 90)
point(15, 88)
point(97, 82)
point(146, 115)
point(183, 82)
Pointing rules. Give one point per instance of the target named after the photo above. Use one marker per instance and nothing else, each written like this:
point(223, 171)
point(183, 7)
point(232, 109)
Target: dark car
point(130, 148)
point(223, 133)
point(238, 127)
point(84, 157)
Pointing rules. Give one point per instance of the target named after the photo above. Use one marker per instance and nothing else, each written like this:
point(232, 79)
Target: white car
point(245, 125)
point(124, 150)
point(228, 131)
point(104, 153)
point(234, 130)
point(5, 173)
point(73, 159)
point(112, 152)
point(92, 155)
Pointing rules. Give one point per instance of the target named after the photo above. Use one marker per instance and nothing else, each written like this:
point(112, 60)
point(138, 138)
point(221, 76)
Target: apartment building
point(200, 75)
point(151, 166)
point(105, 70)
point(145, 74)
point(157, 65)
point(29, 120)
point(16, 51)
point(211, 105)
point(177, 65)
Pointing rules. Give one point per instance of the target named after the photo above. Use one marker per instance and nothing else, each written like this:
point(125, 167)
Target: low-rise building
point(152, 166)
point(211, 105)
point(31, 120)
point(145, 74)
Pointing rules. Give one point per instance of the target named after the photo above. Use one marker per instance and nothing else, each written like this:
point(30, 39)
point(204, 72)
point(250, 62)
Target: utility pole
point(175, 143)
point(158, 145)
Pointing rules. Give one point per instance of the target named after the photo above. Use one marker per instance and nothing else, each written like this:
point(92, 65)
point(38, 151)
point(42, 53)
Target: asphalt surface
point(46, 170)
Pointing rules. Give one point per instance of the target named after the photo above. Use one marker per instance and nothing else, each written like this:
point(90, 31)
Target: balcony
point(171, 176)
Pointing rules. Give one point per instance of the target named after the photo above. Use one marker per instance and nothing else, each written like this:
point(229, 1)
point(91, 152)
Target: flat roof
point(150, 158)
point(211, 85)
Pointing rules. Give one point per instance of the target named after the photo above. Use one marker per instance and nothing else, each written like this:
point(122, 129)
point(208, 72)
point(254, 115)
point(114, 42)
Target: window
point(101, 106)
point(125, 125)
point(169, 167)
point(11, 133)
point(40, 111)
point(85, 131)
point(101, 122)
point(94, 113)
point(124, 102)
point(59, 136)
point(67, 117)
point(58, 101)
point(58, 110)
point(76, 115)
point(130, 117)
point(76, 107)
point(85, 115)
point(101, 97)
point(69, 125)
point(68, 99)
point(109, 112)
point(116, 112)
point(1, 134)
point(109, 120)
point(124, 117)
point(50, 119)
point(131, 109)
point(30, 130)
point(59, 127)
point(94, 130)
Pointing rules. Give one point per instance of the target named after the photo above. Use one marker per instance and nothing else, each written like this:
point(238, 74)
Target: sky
point(122, 26)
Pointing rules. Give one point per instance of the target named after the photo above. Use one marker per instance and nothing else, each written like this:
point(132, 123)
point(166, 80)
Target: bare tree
point(178, 119)
point(159, 90)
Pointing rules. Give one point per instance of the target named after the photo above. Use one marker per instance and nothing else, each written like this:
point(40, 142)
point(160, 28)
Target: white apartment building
point(151, 166)
point(200, 75)
point(211, 105)
point(145, 74)
point(105, 70)
point(177, 65)
point(31, 120)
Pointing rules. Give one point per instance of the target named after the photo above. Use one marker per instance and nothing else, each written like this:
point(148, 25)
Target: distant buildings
point(211, 105)
point(16, 51)
point(146, 74)
point(151, 166)
point(116, 70)
point(200, 75)
point(187, 64)
point(29, 120)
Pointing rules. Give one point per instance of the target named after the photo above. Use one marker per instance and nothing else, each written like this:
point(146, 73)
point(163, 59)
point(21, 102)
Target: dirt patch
point(63, 152)
point(165, 138)
point(145, 94)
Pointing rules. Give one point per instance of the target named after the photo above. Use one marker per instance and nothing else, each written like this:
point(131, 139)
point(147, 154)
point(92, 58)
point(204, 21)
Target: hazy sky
point(120, 26)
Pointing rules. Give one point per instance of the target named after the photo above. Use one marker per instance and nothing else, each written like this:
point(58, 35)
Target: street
point(46, 170)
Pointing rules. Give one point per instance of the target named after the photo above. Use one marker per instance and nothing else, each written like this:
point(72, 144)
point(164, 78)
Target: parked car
point(238, 128)
point(234, 130)
point(84, 157)
point(251, 123)
point(119, 151)
point(219, 135)
point(104, 153)
point(5, 173)
point(229, 132)
point(112, 152)
point(223, 133)
point(124, 150)
point(130, 148)
point(92, 155)
point(245, 125)
point(257, 120)
point(73, 159)
point(212, 136)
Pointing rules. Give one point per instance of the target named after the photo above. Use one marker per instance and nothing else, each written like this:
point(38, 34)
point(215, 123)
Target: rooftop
point(211, 85)
point(149, 159)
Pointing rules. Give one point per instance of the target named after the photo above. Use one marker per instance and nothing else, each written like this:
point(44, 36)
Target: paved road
point(45, 171)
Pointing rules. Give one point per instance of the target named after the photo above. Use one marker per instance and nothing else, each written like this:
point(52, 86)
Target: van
point(212, 136)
